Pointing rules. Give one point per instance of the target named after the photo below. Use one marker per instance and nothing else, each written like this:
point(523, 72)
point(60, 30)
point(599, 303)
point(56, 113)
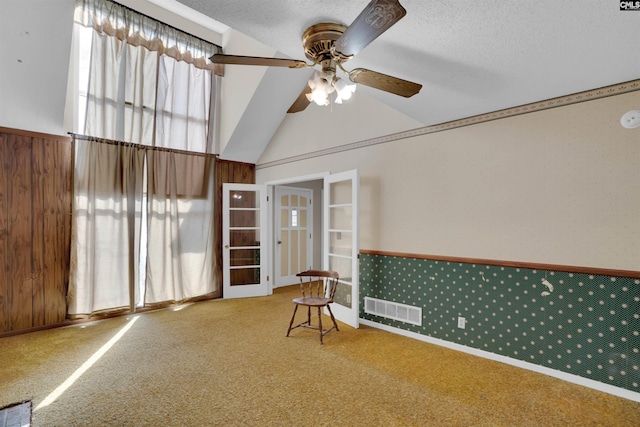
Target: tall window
point(145, 103)
point(141, 81)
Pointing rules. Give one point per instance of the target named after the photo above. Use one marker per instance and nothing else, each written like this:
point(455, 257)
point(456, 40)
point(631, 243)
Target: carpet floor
point(228, 363)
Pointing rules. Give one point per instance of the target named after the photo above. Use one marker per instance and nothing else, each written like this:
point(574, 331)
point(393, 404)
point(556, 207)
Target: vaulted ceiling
point(471, 57)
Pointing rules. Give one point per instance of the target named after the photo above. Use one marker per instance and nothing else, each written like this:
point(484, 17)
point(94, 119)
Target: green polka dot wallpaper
point(586, 325)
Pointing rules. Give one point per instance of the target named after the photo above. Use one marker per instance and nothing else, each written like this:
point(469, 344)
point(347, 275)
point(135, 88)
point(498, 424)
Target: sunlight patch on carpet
point(16, 415)
point(85, 366)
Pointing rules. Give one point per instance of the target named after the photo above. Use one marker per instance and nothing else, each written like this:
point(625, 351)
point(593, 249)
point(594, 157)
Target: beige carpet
point(228, 363)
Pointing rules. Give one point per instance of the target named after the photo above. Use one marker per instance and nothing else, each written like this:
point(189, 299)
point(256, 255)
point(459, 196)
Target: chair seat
point(312, 301)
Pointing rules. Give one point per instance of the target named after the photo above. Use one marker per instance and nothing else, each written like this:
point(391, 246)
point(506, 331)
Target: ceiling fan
point(329, 45)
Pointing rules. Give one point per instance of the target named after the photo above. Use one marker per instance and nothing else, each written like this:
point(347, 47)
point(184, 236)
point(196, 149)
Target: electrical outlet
point(461, 322)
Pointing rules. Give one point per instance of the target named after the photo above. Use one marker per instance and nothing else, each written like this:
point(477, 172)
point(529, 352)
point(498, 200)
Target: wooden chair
point(318, 289)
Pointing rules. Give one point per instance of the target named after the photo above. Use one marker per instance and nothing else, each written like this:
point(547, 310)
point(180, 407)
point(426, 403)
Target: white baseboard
point(596, 385)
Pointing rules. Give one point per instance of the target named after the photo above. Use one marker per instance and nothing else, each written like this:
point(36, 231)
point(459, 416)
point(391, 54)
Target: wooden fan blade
point(384, 82)
point(375, 19)
point(301, 102)
point(257, 60)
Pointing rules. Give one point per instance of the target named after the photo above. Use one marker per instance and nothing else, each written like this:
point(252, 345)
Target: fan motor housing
point(318, 40)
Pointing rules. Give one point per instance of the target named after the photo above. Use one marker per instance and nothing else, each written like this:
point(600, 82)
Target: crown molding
point(590, 95)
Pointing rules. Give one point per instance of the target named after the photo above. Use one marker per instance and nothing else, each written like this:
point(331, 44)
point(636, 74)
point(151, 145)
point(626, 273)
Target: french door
point(244, 241)
point(340, 245)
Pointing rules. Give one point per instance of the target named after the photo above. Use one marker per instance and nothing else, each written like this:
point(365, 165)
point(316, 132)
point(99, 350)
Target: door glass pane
point(343, 295)
point(340, 243)
point(340, 193)
point(340, 218)
point(244, 218)
point(244, 238)
point(243, 257)
point(244, 199)
point(342, 266)
point(303, 202)
point(284, 201)
point(245, 276)
point(343, 291)
point(294, 200)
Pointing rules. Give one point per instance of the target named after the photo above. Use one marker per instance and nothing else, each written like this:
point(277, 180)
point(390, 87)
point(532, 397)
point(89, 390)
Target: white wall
point(559, 186)
point(240, 82)
point(315, 128)
point(35, 44)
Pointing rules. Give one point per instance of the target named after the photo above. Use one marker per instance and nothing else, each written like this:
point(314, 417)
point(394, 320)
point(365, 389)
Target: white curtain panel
point(180, 253)
point(108, 186)
point(104, 87)
point(183, 106)
point(122, 91)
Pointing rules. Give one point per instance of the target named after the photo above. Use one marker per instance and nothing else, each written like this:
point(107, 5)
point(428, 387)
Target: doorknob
point(279, 242)
point(226, 246)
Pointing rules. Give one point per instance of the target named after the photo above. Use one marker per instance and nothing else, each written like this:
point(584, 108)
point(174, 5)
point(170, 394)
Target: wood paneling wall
point(35, 228)
point(227, 172)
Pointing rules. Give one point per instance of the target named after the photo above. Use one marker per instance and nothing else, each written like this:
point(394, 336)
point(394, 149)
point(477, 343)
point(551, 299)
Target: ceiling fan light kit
point(329, 45)
point(344, 90)
point(323, 84)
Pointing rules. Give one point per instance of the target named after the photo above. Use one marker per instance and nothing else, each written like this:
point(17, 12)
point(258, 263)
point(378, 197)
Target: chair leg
point(295, 308)
point(320, 323)
point(333, 319)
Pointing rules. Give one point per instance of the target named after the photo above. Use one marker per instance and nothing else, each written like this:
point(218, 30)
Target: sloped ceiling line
point(617, 89)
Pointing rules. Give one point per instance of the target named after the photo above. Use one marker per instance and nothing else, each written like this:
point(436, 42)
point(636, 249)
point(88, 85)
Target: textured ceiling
point(471, 57)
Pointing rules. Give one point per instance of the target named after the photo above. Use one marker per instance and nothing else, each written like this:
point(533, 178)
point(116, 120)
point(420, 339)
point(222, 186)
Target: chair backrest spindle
point(319, 283)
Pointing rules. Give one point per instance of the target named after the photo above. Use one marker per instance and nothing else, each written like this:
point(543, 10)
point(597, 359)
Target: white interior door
point(293, 236)
point(340, 245)
point(244, 241)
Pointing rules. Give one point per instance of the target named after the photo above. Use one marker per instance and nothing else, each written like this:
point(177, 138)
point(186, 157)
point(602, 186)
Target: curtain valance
point(115, 20)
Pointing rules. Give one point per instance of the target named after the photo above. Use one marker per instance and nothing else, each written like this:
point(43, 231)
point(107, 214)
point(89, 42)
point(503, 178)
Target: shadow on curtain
point(180, 253)
point(109, 234)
